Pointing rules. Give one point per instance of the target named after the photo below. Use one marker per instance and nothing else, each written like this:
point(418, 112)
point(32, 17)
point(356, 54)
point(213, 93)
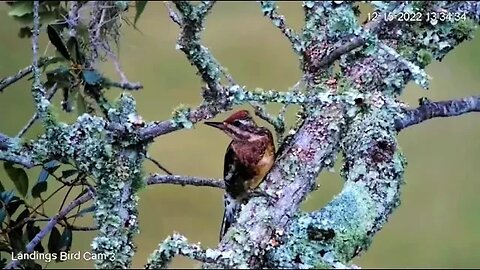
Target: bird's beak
point(218, 125)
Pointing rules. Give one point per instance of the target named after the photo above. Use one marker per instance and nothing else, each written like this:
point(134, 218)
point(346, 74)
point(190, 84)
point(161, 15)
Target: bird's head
point(240, 126)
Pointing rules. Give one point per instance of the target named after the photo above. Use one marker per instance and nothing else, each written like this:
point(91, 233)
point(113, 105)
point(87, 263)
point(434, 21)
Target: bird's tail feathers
point(230, 212)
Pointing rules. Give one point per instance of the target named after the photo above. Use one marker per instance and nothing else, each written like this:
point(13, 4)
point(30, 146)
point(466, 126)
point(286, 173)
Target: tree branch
point(270, 9)
point(125, 83)
point(431, 110)
point(343, 229)
point(11, 150)
point(173, 15)
point(174, 245)
point(160, 166)
point(73, 18)
point(5, 82)
point(185, 180)
point(342, 48)
point(50, 94)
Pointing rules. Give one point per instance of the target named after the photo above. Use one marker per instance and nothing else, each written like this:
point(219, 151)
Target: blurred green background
point(437, 224)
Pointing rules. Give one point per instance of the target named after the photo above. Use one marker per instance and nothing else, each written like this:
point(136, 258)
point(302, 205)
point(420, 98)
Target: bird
point(248, 158)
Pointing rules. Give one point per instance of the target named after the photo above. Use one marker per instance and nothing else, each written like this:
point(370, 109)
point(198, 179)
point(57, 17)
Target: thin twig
point(4, 83)
point(53, 221)
point(173, 15)
point(271, 10)
point(65, 224)
point(73, 18)
point(125, 83)
point(32, 120)
point(277, 122)
point(34, 210)
point(160, 166)
point(36, 33)
point(184, 181)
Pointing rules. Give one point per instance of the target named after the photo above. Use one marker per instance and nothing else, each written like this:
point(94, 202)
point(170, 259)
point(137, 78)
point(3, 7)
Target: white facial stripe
point(251, 136)
point(244, 122)
point(238, 131)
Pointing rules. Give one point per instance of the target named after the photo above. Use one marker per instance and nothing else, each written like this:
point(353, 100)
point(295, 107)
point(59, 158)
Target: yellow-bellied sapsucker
point(249, 157)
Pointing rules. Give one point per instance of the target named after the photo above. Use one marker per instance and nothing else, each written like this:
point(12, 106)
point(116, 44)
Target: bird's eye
point(237, 123)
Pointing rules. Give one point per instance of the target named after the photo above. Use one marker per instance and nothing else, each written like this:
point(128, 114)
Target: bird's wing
point(230, 212)
point(230, 177)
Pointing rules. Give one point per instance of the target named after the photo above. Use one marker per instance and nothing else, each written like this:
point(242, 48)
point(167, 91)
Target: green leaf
point(2, 189)
point(21, 8)
point(3, 213)
point(25, 32)
point(57, 41)
point(140, 7)
point(16, 240)
point(23, 215)
point(61, 76)
point(6, 196)
point(19, 178)
point(69, 98)
point(52, 61)
point(54, 241)
point(46, 17)
point(49, 168)
point(5, 247)
point(92, 77)
point(66, 241)
point(13, 205)
point(81, 104)
point(74, 49)
point(67, 173)
point(39, 188)
point(32, 231)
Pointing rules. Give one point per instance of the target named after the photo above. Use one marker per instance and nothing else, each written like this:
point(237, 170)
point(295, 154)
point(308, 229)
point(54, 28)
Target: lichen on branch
point(373, 174)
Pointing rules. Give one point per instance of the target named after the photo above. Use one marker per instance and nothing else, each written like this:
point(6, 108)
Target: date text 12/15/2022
point(431, 17)
point(62, 256)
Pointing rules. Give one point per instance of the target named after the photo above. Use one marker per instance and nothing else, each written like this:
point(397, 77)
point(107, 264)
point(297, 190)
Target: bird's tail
point(230, 212)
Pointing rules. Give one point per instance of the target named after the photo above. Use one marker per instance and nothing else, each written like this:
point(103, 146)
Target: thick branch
point(155, 129)
point(429, 110)
point(373, 172)
point(10, 150)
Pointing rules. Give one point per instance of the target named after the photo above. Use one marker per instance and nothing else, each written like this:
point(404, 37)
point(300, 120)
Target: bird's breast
point(261, 168)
